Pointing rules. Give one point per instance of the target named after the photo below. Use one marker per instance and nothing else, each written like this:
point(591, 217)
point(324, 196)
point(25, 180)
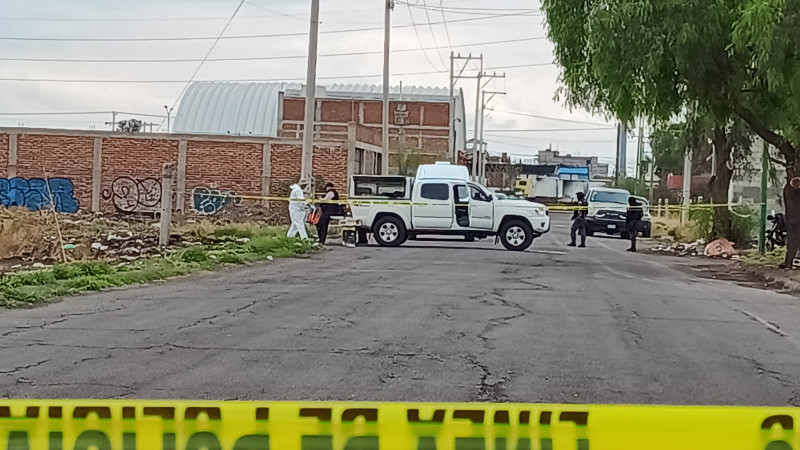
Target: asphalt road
point(425, 322)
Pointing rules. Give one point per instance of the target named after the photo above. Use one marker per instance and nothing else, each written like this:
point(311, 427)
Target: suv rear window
point(609, 197)
point(435, 191)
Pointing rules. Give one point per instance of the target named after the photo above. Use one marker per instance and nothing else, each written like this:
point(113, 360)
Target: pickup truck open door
point(481, 209)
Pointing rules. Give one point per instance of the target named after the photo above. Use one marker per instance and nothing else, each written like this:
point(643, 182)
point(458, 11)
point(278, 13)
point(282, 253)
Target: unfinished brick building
point(419, 129)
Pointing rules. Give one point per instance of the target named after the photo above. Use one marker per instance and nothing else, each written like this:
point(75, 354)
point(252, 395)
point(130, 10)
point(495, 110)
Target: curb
point(772, 274)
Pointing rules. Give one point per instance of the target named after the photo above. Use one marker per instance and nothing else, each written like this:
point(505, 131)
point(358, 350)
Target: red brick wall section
point(294, 109)
point(4, 155)
point(225, 166)
point(40, 156)
point(136, 159)
point(436, 115)
point(341, 111)
point(329, 164)
point(368, 135)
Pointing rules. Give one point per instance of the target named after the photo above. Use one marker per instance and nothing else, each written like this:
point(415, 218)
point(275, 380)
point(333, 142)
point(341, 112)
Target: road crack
point(15, 370)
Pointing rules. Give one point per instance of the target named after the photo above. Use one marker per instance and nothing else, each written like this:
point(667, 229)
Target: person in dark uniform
point(579, 221)
point(632, 219)
point(328, 210)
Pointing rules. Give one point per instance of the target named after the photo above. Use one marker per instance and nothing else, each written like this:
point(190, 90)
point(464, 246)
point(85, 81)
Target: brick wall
point(129, 180)
point(40, 156)
point(3, 155)
point(134, 164)
point(236, 167)
point(329, 164)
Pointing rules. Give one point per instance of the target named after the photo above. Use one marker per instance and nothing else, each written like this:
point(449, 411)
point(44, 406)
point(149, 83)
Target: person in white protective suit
point(297, 211)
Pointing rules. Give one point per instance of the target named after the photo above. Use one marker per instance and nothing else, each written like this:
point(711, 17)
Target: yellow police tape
point(551, 207)
point(195, 425)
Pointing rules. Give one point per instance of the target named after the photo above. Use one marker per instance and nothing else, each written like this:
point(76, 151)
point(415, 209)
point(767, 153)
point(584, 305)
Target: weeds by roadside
point(773, 258)
point(232, 244)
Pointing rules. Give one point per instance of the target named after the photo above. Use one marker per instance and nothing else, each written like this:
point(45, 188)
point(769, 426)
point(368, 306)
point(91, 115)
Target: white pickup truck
point(442, 201)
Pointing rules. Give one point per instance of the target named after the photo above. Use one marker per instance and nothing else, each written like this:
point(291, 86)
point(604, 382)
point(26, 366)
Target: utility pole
point(451, 151)
point(453, 80)
point(475, 131)
point(622, 148)
point(386, 48)
point(640, 173)
point(762, 230)
point(484, 102)
point(687, 186)
point(306, 171)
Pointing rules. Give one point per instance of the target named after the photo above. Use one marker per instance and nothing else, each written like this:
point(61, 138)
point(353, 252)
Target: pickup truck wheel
point(389, 232)
point(516, 235)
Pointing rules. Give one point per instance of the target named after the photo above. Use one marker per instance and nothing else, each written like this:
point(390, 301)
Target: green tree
point(661, 58)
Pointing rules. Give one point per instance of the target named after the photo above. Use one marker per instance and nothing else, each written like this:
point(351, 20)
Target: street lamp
point(169, 115)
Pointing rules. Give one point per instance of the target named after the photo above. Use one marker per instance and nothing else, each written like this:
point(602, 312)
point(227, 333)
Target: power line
point(211, 49)
point(419, 39)
point(337, 77)
point(543, 117)
point(446, 28)
point(530, 130)
point(433, 34)
point(78, 113)
point(250, 36)
point(171, 19)
point(475, 11)
point(259, 58)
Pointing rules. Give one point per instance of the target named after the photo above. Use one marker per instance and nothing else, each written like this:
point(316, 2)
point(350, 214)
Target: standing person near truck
point(632, 219)
point(297, 210)
point(579, 221)
point(328, 209)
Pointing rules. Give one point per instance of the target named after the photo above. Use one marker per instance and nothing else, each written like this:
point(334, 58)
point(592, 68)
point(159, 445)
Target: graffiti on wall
point(210, 201)
point(130, 195)
point(35, 194)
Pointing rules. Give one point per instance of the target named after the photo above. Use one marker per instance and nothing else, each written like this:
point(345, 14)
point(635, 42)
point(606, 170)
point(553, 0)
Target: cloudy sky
point(86, 29)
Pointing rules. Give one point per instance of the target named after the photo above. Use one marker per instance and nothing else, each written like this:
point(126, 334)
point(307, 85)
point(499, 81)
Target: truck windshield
point(609, 197)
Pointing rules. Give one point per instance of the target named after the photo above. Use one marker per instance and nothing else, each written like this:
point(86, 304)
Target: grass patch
point(772, 258)
point(26, 289)
point(196, 254)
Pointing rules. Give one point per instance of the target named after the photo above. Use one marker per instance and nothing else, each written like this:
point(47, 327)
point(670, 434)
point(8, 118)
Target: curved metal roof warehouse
point(253, 109)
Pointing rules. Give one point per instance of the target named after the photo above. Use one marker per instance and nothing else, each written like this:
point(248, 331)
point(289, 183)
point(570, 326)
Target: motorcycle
point(776, 236)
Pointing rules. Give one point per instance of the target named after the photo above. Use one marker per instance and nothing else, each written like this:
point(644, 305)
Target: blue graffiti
point(34, 194)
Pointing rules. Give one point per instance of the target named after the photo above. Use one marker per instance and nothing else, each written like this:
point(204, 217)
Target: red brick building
point(419, 129)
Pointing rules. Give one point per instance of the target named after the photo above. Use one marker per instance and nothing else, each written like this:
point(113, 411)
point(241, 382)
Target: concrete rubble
point(30, 239)
point(720, 248)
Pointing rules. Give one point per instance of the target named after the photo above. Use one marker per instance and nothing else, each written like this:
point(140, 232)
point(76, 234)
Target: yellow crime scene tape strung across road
point(195, 425)
point(551, 207)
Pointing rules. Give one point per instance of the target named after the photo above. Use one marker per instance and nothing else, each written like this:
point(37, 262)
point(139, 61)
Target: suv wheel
point(389, 231)
point(516, 235)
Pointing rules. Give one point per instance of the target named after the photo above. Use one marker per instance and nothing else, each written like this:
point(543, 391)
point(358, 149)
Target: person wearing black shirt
point(632, 219)
point(579, 221)
point(328, 210)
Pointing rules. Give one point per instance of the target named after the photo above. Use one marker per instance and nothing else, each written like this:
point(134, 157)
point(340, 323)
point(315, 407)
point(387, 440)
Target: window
point(478, 194)
point(378, 160)
point(435, 191)
point(391, 187)
point(609, 197)
point(359, 163)
point(461, 193)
